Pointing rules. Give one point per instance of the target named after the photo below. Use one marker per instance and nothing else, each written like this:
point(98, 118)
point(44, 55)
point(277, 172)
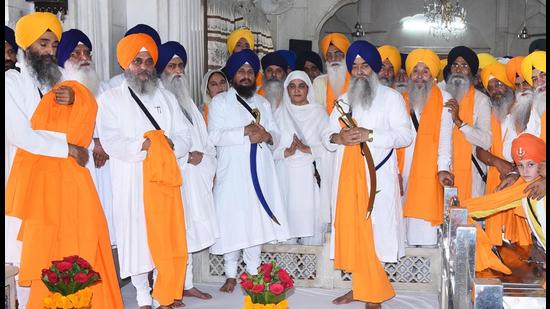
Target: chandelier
point(445, 18)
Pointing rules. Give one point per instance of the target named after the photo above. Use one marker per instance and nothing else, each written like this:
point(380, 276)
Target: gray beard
point(177, 84)
point(501, 106)
point(47, 73)
point(273, 92)
point(146, 87)
point(362, 91)
point(336, 76)
point(521, 110)
point(85, 75)
point(387, 81)
point(457, 85)
point(418, 95)
point(539, 101)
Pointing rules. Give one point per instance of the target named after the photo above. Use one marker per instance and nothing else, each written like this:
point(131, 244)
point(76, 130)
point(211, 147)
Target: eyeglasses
point(139, 61)
point(460, 66)
point(79, 53)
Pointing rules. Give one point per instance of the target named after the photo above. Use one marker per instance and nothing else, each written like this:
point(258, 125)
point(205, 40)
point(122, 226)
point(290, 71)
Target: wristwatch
point(370, 136)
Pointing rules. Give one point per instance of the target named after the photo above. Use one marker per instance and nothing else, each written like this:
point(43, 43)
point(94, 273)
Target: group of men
point(281, 156)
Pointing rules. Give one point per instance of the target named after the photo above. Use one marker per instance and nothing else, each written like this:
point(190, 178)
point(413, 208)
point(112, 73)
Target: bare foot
point(344, 299)
point(175, 304)
point(229, 285)
point(373, 306)
point(194, 292)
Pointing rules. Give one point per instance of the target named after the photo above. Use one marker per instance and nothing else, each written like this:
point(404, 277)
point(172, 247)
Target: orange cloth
point(485, 257)
point(513, 68)
point(354, 240)
point(129, 46)
point(32, 26)
point(495, 70)
point(205, 114)
point(259, 80)
point(164, 218)
point(462, 161)
point(331, 96)
point(543, 126)
point(392, 54)
point(58, 204)
point(236, 35)
point(424, 197)
point(337, 39)
point(528, 147)
point(426, 56)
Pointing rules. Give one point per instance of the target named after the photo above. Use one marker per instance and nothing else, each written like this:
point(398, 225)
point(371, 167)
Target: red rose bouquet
point(269, 286)
point(69, 281)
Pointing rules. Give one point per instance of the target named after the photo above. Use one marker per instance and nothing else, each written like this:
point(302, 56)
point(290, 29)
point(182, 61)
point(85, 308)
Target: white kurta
point(477, 133)
point(21, 99)
point(419, 231)
point(198, 180)
point(121, 126)
point(242, 220)
point(307, 213)
point(390, 122)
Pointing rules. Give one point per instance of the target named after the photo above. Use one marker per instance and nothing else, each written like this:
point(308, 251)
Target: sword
point(347, 119)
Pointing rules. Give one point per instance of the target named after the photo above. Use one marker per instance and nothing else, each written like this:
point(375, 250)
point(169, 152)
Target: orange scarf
point(205, 114)
point(462, 149)
point(424, 198)
point(164, 218)
point(354, 240)
point(331, 96)
point(58, 204)
point(543, 126)
point(485, 257)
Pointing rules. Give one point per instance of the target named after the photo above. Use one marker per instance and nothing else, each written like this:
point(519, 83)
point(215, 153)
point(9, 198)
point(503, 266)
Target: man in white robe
point(122, 124)
point(198, 166)
point(244, 222)
point(299, 157)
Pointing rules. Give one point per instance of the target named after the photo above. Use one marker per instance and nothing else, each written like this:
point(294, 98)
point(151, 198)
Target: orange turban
point(392, 54)
point(337, 39)
point(495, 70)
point(513, 68)
point(426, 56)
point(32, 26)
point(442, 65)
point(129, 46)
point(236, 35)
point(485, 59)
point(537, 60)
point(528, 147)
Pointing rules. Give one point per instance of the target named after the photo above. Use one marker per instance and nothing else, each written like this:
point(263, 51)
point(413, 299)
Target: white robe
point(390, 122)
point(198, 180)
point(420, 231)
point(307, 212)
point(121, 125)
point(242, 220)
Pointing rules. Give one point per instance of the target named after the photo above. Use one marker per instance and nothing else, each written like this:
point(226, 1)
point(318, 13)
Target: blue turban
point(367, 51)
point(310, 56)
point(274, 58)
point(9, 36)
point(237, 60)
point(167, 52)
point(69, 40)
point(142, 28)
point(289, 56)
point(468, 54)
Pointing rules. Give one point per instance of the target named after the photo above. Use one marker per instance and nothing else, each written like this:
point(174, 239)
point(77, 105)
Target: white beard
point(85, 75)
point(501, 106)
point(539, 101)
point(336, 72)
point(418, 95)
point(521, 110)
point(457, 85)
point(178, 86)
point(273, 92)
point(362, 92)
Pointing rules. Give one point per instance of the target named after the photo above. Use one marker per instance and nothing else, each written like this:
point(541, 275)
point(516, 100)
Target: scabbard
point(372, 175)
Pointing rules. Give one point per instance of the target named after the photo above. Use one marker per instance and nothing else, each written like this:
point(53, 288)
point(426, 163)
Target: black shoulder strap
point(144, 109)
point(414, 119)
point(40, 93)
point(533, 212)
point(478, 168)
point(243, 103)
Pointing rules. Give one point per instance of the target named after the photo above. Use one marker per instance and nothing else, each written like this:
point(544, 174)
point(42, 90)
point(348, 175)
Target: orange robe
point(164, 218)
point(354, 240)
point(57, 202)
point(462, 162)
point(331, 96)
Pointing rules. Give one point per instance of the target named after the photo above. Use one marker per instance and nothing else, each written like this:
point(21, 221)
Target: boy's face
point(528, 169)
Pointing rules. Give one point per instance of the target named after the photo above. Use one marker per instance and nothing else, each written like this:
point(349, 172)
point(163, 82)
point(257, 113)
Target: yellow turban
point(442, 65)
point(485, 59)
point(392, 54)
point(32, 26)
point(496, 70)
point(536, 59)
point(129, 46)
point(426, 56)
point(236, 35)
point(513, 68)
point(337, 39)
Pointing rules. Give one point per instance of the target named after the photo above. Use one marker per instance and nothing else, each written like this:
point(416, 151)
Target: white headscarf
point(206, 98)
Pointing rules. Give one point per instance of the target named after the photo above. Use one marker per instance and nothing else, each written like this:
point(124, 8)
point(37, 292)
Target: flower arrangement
point(267, 288)
point(69, 281)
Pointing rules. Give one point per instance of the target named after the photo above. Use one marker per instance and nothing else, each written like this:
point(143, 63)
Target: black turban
point(539, 44)
point(468, 54)
point(310, 56)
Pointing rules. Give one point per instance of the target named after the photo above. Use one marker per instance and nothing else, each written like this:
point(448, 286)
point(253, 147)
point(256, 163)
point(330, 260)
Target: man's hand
point(537, 189)
point(446, 178)
point(348, 137)
point(146, 144)
point(542, 168)
point(504, 167)
point(64, 95)
point(80, 154)
point(169, 142)
point(290, 151)
point(507, 181)
point(301, 146)
point(100, 156)
point(363, 134)
point(195, 157)
point(258, 134)
point(452, 104)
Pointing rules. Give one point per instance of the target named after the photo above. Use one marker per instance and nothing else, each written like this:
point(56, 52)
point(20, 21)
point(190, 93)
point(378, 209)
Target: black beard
point(45, 68)
point(245, 91)
point(9, 64)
